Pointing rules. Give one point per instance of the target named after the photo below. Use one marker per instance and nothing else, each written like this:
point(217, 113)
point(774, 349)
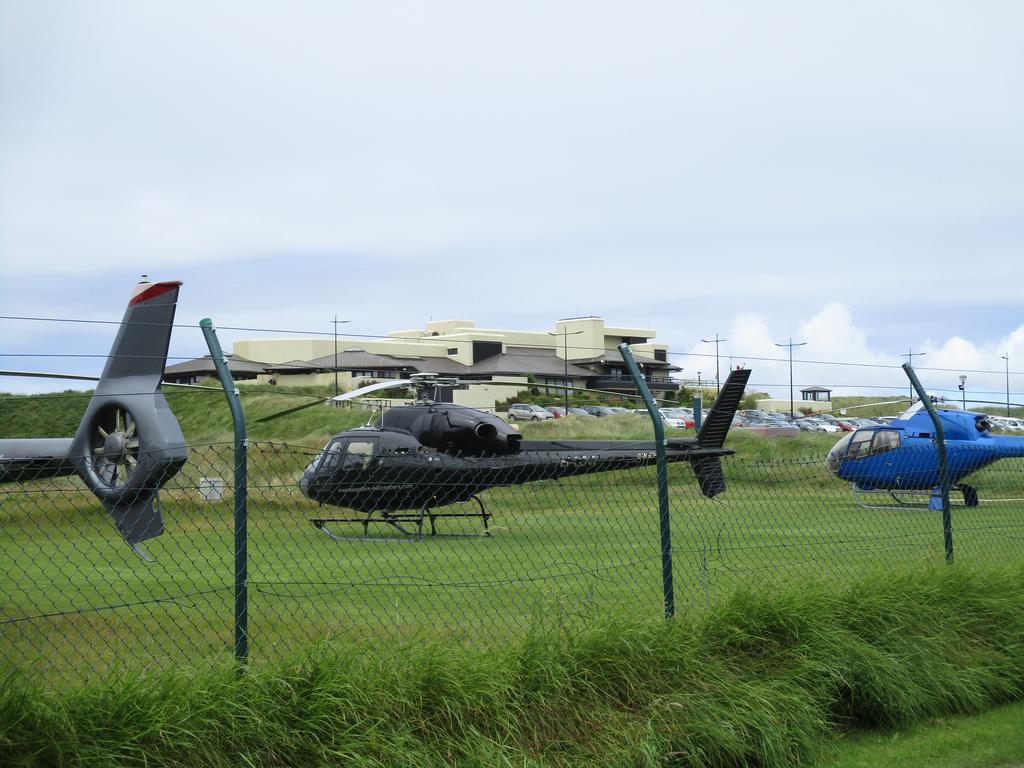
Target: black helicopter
point(128, 444)
point(417, 458)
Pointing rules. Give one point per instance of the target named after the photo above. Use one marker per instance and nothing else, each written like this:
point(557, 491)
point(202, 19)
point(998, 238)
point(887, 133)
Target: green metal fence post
point(940, 441)
point(659, 443)
point(698, 411)
point(241, 493)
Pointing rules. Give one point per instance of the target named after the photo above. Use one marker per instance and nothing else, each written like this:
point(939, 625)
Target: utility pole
point(1006, 357)
point(791, 344)
point(718, 375)
point(565, 334)
point(911, 354)
point(336, 323)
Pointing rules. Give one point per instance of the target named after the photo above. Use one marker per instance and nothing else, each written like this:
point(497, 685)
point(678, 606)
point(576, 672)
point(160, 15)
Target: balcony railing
point(625, 383)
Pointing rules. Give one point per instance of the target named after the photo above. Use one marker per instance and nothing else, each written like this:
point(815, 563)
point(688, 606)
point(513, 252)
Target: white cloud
point(668, 164)
point(839, 353)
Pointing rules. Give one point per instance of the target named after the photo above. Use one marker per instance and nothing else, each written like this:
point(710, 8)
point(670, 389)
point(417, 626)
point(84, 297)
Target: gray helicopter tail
point(716, 425)
point(713, 431)
point(129, 443)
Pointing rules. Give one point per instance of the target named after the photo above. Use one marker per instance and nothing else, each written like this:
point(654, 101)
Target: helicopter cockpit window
point(358, 454)
point(860, 443)
point(332, 454)
point(885, 440)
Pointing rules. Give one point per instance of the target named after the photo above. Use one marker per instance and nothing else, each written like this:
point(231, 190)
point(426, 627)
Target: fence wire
point(361, 558)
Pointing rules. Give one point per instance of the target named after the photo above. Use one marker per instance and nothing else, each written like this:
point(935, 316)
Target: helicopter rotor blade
point(44, 375)
point(392, 384)
point(560, 387)
point(339, 398)
point(992, 402)
point(894, 401)
point(296, 409)
point(442, 382)
point(83, 377)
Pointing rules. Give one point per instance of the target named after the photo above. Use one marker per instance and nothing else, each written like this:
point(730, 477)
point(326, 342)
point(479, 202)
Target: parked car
point(580, 412)
point(677, 417)
point(828, 418)
point(861, 421)
point(810, 425)
point(556, 410)
point(1006, 423)
point(527, 412)
point(598, 410)
point(618, 409)
point(823, 426)
point(772, 427)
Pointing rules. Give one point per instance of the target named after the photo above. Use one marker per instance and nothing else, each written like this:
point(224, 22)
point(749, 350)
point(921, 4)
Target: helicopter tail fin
point(710, 477)
point(716, 425)
point(139, 352)
point(129, 443)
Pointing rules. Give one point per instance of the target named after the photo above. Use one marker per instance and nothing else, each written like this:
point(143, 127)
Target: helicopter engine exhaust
point(486, 431)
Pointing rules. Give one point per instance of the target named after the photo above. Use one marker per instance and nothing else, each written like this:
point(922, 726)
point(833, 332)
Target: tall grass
point(761, 679)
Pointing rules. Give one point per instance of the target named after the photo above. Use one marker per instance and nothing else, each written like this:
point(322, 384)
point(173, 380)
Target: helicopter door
point(357, 454)
point(885, 440)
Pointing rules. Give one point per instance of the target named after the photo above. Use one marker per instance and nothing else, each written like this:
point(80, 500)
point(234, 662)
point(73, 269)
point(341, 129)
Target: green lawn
point(993, 739)
point(78, 601)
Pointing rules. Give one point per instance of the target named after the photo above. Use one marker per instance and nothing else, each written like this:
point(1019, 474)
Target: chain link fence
point(77, 602)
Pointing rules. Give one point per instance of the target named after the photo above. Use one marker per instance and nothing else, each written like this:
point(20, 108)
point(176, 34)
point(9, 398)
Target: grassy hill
point(203, 414)
point(875, 406)
point(205, 418)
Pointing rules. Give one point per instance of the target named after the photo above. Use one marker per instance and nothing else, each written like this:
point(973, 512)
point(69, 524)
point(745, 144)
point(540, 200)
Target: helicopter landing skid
point(910, 499)
point(424, 514)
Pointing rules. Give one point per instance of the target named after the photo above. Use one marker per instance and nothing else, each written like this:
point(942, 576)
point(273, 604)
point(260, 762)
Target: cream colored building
point(812, 400)
point(578, 338)
point(579, 352)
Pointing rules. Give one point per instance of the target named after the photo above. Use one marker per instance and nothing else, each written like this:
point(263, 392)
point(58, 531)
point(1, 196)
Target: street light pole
point(565, 359)
point(791, 344)
point(1006, 357)
point(718, 375)
point(963, 392)
point(336, 322)
point(911, 354)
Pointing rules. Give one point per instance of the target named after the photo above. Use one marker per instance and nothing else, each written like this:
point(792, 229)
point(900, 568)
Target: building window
point(453, 350)
point(485, 349)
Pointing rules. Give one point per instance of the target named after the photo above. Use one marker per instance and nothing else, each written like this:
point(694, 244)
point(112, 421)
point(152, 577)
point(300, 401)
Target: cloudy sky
point(846, 174)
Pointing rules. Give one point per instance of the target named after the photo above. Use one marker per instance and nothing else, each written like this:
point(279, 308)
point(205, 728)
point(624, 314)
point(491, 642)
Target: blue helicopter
point(902, 457)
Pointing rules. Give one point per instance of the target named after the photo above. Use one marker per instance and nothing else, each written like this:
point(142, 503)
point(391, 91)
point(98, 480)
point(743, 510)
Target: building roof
point(614, 357)
point(359, 360)
point(519, 361)
point(203, 366)
point(815, 389)
point(514, 361)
